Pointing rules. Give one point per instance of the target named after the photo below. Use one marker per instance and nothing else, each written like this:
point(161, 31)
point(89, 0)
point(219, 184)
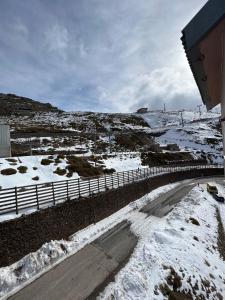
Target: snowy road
point(94, 266)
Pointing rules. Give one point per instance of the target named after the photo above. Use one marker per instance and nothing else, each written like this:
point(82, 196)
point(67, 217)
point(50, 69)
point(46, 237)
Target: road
point(86, 273)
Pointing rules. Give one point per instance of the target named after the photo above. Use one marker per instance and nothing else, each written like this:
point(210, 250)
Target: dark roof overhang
point(196, 32)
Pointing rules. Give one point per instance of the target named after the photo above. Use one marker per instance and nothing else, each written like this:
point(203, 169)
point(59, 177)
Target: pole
point(16, 200)
point(182, 119)
point(199, 111)
point(223, 97)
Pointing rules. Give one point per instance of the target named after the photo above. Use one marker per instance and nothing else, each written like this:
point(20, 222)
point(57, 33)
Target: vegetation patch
point(46, 161)
point(160, 158)
point(8, 171)
point(22, 169)
point(194, 221)
point(60, 172)
point(36, 178)
point(18, 149)
point(221, 235)
point(58, 160)
point(81, 166)
point(134, 140)
point(12, 160)
point(135, 120)
point(109, 171)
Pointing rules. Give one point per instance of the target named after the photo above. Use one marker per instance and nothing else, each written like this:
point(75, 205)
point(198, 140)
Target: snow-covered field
point(171, 251)
point(119, 162)
point(35, 168)
point(124, 162)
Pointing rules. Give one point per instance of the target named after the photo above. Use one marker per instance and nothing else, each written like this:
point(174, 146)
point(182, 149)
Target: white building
point(5, 145)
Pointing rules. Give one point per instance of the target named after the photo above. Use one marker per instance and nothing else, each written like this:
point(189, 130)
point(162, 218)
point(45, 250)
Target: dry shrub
point(46, 161)
point(60, 172)
point(194, 221)
point(12, 160)
point(81, 166)
point(109, 171)
point(22, 169)
point(8, 171)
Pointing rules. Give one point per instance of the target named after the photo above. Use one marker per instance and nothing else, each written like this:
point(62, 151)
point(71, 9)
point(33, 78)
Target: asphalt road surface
point(87, 272)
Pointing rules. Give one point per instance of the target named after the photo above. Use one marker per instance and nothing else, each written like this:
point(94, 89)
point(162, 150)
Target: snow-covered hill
point(28, 170)
point(201, 135)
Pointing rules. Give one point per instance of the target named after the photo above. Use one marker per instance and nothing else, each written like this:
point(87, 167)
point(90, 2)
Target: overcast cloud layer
point(101, 55)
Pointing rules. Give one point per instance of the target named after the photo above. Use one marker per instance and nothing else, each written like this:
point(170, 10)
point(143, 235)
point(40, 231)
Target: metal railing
point(19, 199)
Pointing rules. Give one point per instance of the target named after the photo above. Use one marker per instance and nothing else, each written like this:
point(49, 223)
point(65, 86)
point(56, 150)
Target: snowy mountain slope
point(200, 136)
point(160, 119)
point(88, 133)
point(78, 132)
point(79, 121)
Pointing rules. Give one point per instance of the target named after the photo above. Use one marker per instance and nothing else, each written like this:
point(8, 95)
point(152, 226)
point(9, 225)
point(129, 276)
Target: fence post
point(112, 180)
point(89, 187)
point(53, 193)
point(36, 188)
point(105, 183)
point(79, 187)
point(67, 190)
point(98, 186)
point(128, 176)
point(16, 199)
point(123, 179)
point(118, 179)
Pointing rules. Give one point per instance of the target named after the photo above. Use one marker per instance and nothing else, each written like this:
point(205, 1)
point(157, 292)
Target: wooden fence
point(19, 199)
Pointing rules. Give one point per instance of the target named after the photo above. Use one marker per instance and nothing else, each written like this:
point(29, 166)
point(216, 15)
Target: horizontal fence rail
point(20, 199)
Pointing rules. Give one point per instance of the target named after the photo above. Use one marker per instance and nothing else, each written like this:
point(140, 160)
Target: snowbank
point(174, 251)
point(51, 254)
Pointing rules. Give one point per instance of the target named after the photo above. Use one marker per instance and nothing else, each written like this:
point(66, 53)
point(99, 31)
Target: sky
point(98, 55)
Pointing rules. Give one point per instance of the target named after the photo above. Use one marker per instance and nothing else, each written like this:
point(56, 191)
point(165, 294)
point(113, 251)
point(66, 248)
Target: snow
point(119, 162)
point(169, 243)
point(124, 162)
point(45, 173)
point(193, 136)
point(164, 243)
point(50, 254)
point(157, 119)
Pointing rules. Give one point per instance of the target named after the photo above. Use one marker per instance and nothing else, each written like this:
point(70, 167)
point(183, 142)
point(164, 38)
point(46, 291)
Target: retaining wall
point(28, 233)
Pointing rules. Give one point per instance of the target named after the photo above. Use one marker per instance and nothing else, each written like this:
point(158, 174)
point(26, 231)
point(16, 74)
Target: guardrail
point(19, 199)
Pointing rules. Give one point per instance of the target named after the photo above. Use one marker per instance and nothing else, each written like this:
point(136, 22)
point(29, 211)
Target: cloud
point(57, 39)
point(97, 55)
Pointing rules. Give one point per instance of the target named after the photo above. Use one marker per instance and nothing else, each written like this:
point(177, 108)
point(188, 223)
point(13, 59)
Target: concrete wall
point(5, 147)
